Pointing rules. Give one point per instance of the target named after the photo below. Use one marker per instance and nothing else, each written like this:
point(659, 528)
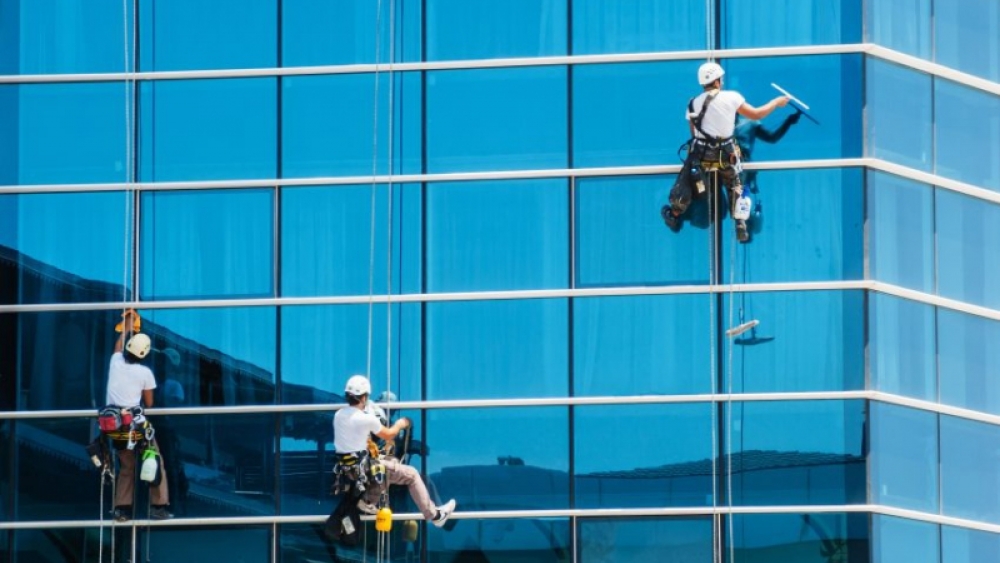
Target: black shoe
point(122, 513)
point(160, 513)
point(742, 234)
point(673, 222)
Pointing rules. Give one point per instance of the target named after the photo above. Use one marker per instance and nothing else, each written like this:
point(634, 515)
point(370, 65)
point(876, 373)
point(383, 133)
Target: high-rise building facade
point(462, 200)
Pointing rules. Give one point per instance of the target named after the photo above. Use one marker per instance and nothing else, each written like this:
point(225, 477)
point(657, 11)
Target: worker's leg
point(125, 485)
point(400, 474)
point(159, 495)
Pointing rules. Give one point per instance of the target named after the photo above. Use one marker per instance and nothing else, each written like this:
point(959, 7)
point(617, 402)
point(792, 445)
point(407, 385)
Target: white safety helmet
point(138, 345)
point(709, 73)
point(358, 385)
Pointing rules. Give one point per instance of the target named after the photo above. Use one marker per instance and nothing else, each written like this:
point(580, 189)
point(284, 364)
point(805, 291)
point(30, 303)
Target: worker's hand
point(781, 101)
point(406, 422)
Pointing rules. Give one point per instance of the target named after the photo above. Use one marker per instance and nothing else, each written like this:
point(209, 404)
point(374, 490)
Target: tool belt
point(126, 426)
point(357, 472)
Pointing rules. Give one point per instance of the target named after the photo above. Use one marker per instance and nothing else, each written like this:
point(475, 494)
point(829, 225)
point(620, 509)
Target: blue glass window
point(630, 113)
point(48, 266)
point(214, 356)
point(621, 238)
point(321, 346)
point(330, 126)
point(520, 464)
point(497, 349)
point(207, 243)
point(968, 469)
point(642, 345)
point(63, 133)
point(51, 482)
point(832, 85)
point(967, 38)
point(216, 129)
point(643, 539)
point(773, 23)
point(326, 240)
point(194, 35)
point(904, 457)
point(496, 119)
point(496, 235)
point(899, 539)
point(639, 26)
point(962, 545)
point(900, 124)
point(653, 474)
point(903, 25)
point(962, 116)
point(316, 32)
point(457, 29)
point(806, 341)
point(901, 231)
point(969, 360)
point(806, 225)
point(60, 36)
point(246, 544)
point(531, 540)
point(903, 351)
point(968, 238)
point(798, 452)
point(802, 538)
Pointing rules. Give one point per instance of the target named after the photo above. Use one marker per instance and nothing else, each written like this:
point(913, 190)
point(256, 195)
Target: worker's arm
point(691, 127)
point(774, 136)
point(126, 330)
point(750, 112)
point(390, 433)
point(147, 397)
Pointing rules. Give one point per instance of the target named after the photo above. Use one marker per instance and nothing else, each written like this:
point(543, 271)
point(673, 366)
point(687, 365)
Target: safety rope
point(729, 396)
point(713, 281)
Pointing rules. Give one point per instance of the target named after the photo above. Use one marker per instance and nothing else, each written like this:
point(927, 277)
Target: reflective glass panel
point(831, 85)
point(323, 345)
point(523, 125)
point(629, 113)
point(532, 540)
point(195, 35)
point(330, 125)
point(644, 539)
point(216, 129)
point(39, 263)
point(902, 348)
point(899, 106)
point(610, 26)
point(642, 345)
point(64, 36)
point(801, 538)
point(901, 231)
point(245, 544)
point(495, 235)
point(497, 349)
point(968, 238)
point(798, 452)
point(521, 463)
point(967, 37)
point(903, 25)
point(963, 116)
point(620, 238)
point(774, 23)
point(790, 239)
point(317, 32)
point(962, 545)
point(215, 356)
point(326, 246)
point(904, 457)
point(969, 360)
point(71, 133)
point(54, 477)
point(457, 29)
point(805, 341)
point(899, 539)
point(207, 243)
point(621, 461)
point(969, 480)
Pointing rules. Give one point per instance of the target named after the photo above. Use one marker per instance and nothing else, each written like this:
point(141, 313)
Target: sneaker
point(366, 507)
point(742, 234)
point(444, 512)
point(122, 514)
point(160, 513)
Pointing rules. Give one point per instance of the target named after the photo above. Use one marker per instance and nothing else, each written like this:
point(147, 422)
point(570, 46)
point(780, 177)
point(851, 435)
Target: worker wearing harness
point(711, 118)
point(359, 462)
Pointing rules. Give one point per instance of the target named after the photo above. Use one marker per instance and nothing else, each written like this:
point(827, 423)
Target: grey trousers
point(400, 474)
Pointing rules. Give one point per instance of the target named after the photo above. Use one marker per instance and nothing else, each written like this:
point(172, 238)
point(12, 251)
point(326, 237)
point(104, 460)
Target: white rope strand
point(371, 235)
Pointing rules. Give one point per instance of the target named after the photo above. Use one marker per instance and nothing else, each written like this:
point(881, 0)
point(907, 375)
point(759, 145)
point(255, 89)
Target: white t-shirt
point(351, 427)
point(720, 117)
point(126, 382)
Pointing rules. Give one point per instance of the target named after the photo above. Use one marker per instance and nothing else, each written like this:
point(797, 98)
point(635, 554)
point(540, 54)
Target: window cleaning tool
point(796, 103)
